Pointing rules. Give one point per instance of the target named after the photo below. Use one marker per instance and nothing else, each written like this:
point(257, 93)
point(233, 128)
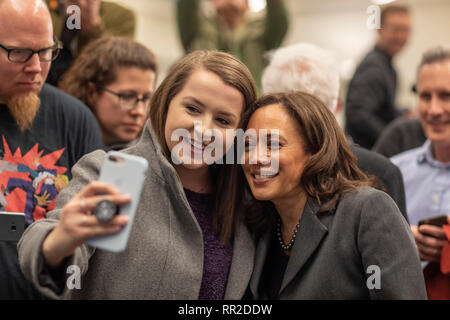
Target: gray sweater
point(164, 256)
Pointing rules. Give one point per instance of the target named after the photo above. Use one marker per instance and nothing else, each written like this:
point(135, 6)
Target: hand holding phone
point(438, 221)
point(126, 173)
point(430, 238)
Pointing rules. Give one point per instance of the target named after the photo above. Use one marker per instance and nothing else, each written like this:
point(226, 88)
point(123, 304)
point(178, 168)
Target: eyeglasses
point(22, 55)
point(129, 101)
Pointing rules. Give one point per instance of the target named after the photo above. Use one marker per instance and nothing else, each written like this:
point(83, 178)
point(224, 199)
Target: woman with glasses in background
point(115, 77)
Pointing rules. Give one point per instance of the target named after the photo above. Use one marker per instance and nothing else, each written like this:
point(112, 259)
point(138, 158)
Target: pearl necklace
point(288, 246)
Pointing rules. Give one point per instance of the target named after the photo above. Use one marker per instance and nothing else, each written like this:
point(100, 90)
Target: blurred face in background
point(394, 32)
point(121, 119)
point(433, 87)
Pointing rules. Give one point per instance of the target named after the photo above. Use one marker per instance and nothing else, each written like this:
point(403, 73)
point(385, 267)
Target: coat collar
point(260, 258)
point(309, 236)
point(241, 265)
point(243, 245)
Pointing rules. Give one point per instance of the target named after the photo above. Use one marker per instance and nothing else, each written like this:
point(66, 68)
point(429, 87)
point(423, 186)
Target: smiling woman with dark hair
point(322, 229)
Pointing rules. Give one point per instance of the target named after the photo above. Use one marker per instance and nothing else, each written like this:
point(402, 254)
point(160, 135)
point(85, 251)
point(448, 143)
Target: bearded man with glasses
point(43, 131)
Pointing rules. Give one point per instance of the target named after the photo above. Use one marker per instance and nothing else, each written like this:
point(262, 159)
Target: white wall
point(338, 25)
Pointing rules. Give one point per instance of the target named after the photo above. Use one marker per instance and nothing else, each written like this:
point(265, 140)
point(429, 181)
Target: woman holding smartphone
point(188, 239)
point(324, 232)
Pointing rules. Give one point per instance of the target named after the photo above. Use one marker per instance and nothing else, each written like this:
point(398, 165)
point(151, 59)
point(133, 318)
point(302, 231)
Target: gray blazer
point(164, 256)
point(332, 252)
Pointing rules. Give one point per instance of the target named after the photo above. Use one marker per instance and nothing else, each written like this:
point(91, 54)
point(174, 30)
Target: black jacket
point(370, 101)
point(388, 174)
point(401, 135)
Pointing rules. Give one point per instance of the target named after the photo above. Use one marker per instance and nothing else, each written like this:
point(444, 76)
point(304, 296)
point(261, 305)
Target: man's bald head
point(24, 6)
point(24, 15)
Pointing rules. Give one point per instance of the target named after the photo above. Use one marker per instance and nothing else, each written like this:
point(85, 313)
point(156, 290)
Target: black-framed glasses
point(22, 55)
point(129, 101)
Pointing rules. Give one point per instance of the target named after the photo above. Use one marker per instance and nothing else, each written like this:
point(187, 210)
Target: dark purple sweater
point(217, 258)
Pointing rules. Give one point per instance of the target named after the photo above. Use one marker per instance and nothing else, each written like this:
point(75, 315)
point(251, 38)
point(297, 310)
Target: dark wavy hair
point(330, 171)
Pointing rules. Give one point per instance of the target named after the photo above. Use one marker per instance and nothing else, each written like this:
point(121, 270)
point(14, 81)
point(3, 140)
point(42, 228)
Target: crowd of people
point(306, 209)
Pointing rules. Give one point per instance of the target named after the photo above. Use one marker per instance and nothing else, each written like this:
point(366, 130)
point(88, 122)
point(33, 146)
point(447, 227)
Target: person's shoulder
point(56, 99)
point(404, 125)
point(370, 67)
point(368, 57)
point(407, 158)
point(372, 162)
point(368, 201)
point(90, 162)
point(61, 105)
point(361, 194)
point(353, 204)
point(112, 8)
point(371, 61)
point(368, 155)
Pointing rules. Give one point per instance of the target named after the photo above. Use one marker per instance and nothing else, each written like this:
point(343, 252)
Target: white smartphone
point(127, 173)
point(12, 225)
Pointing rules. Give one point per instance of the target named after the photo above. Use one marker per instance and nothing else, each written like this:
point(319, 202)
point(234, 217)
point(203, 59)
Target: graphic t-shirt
point(35, 165)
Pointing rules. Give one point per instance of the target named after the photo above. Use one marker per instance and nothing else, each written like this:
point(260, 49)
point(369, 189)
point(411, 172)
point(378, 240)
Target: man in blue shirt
point(426, 169)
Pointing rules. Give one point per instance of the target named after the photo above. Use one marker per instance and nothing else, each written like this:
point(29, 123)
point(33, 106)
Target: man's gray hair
point(303, 67)
point(436, 54)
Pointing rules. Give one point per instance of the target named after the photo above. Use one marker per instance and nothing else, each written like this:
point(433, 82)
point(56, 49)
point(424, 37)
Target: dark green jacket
point(116, 21)
point(249, 42)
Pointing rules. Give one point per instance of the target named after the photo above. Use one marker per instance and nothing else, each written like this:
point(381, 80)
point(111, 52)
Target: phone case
point(12, 225)
point(434, 221)
point(127, 173)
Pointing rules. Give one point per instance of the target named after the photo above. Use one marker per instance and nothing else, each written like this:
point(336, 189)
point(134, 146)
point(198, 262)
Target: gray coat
point(332, 252)
point(164, 256)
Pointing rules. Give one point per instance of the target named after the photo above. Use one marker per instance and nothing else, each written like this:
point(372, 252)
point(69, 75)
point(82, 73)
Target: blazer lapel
point(241, 265)
point(309, 236)
point(260, 259)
